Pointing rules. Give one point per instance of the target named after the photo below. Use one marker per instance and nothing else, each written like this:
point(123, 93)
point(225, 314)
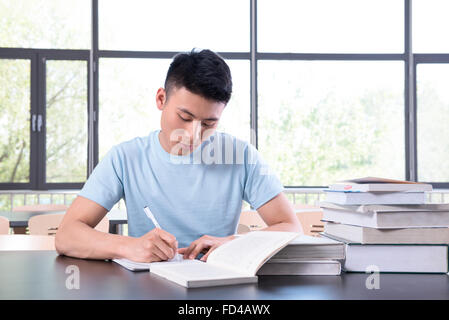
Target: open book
point(234, 262)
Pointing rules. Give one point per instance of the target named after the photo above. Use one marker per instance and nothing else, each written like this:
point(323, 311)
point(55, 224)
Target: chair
point(37, 208)
point(241, 229)
point(252, 220)
point(47, 224)
point(4, 225)
point(310, 218)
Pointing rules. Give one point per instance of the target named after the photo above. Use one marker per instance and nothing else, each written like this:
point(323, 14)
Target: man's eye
point(183, 119)
point(208, 124)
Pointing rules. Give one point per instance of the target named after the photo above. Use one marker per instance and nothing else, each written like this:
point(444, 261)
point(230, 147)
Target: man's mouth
point(186, 146)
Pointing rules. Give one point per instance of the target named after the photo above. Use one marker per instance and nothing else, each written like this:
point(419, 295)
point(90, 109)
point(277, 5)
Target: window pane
point(128, 96)
point(15, 120)
point(45, 24)
point(433, 120)
point(329, 26)
point(66, 123)
point(321, 122)
point(430, 26)
point(235, 118)
point(174, 25)
point(128, 99)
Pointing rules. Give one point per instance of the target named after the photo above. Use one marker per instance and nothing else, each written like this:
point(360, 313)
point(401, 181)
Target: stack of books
point(306, 255)
point(387, 226)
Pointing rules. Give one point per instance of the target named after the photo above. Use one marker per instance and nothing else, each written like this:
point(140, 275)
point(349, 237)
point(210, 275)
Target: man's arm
point(279, 215)
point(77, 237)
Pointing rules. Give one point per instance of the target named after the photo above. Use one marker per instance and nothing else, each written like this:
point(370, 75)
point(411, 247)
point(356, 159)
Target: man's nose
point(194, 131)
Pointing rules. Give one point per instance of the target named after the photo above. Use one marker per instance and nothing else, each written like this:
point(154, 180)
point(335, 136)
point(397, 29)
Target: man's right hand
point(156, 245)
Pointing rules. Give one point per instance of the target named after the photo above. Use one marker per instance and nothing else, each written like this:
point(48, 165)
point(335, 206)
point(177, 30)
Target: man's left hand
point(206, 244)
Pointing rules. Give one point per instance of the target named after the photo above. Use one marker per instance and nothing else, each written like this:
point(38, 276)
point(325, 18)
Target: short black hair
point(202, 72)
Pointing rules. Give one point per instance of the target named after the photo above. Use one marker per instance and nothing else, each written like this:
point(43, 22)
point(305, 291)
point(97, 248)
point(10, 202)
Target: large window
point(326, 90)
point(332, 120)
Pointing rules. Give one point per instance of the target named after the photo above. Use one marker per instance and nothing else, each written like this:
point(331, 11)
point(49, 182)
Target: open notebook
point(234, 262)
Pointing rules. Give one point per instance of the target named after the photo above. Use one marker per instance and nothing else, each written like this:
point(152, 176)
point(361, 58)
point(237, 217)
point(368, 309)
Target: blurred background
point(326, 90)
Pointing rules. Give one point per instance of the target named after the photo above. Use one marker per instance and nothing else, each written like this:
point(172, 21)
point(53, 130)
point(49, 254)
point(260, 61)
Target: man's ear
point(161, 97)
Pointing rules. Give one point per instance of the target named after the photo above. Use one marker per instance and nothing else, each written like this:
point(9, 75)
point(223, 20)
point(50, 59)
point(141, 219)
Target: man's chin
point(182, 149)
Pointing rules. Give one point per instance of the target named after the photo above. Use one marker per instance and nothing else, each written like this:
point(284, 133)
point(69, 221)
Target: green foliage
point(315, 142)
point(14, 120)
point(66, 152)
point(66, 85)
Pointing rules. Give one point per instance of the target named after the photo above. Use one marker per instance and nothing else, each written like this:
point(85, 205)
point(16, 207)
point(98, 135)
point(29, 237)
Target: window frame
point(38, 58)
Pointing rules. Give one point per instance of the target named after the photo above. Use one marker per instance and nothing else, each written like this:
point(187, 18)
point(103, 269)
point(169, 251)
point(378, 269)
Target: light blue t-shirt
point(190, 196)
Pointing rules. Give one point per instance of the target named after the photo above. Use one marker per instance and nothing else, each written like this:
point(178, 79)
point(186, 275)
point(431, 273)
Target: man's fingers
point(204, 258)
point(157, 251)
point(186, 251)
point(163, 247)
point(199, 247)
point(196, 251)
point(168, 238)
point(155, 258)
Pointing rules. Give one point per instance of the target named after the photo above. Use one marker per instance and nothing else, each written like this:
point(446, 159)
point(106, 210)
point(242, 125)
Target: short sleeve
point(261, 184)
point(105, 184)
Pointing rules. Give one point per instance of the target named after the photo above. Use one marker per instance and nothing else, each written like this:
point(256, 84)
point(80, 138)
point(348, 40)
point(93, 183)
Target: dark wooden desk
point(42, 275)
point(20, 218)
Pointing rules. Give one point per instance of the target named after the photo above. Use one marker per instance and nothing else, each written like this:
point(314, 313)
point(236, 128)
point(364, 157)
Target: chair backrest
point(47, 224)
point(41, 208)
point(4, 225)
point(242, 228)
point(252, 219)
point(310, 218)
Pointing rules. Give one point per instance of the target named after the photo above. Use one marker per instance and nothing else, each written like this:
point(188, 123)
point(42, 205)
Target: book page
point(249, 252)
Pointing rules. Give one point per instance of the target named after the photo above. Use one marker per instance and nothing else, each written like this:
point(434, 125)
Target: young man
point(192, 178)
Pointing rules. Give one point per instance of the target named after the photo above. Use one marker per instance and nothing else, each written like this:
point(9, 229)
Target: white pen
point(151, 216)
point(177, 257)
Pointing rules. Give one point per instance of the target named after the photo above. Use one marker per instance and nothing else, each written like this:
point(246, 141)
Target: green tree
point(43, 24)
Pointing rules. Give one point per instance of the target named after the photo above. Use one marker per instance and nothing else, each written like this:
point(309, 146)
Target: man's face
point(187, 119)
